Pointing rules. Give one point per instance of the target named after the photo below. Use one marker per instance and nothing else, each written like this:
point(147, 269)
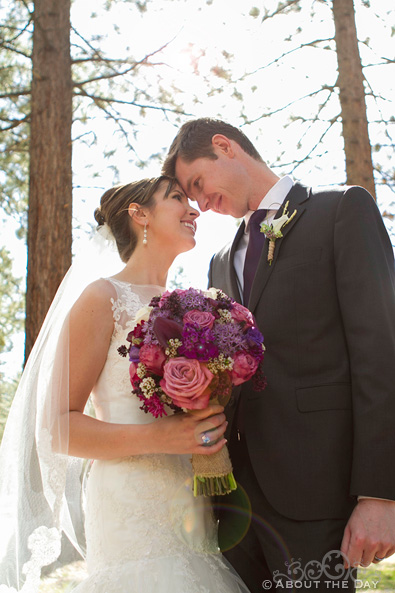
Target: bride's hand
point(182, 433)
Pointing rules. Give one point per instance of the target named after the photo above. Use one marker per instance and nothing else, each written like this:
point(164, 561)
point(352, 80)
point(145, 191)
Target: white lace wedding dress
point(146, 532)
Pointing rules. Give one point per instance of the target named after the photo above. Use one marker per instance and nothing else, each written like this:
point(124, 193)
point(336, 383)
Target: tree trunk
point(50, 189)
point(359, 167)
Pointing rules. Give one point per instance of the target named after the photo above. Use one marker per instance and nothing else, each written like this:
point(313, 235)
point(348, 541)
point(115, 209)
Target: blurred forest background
point(92, 93)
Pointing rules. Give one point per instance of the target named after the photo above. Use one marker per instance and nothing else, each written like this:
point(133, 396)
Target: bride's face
point(172, 221)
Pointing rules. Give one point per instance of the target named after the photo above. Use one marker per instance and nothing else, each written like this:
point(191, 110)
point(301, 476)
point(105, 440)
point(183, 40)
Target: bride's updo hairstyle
point(114, 209)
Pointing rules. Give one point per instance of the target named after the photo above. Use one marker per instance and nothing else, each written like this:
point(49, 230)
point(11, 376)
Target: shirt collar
point(273, 199)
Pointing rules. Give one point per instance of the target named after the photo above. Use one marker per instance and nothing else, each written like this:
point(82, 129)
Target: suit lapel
point(296, 196)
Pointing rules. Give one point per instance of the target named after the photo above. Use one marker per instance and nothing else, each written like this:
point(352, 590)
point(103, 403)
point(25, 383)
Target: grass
point(377, 577)
point(64, 579)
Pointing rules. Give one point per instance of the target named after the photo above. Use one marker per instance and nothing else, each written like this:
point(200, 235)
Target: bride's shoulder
point(91, 315)
point(96, 298)
point(100, 290)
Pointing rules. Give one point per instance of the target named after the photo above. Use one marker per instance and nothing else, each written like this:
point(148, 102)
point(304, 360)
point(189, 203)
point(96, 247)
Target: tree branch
point(115, 73)
point(25, 4)
point(14, 94)
point(386, 61)
point(386, 131)
point(106, 76)
point(20, 31)
point(270, 113)
point(15, 50)
point(387, 179)
point(15, 123)
point(95, 51)
point(100, 59)
point(287, 53)
point(97, 99)
point(281, 8)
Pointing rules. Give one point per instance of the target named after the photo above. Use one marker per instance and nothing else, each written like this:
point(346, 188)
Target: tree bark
point(359, 166)
point(50, 186)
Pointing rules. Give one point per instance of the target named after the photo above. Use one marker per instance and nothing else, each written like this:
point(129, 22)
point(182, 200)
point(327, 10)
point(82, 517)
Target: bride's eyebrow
point(179, 192)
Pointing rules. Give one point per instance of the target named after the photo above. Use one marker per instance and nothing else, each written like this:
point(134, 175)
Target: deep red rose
point(153, 358)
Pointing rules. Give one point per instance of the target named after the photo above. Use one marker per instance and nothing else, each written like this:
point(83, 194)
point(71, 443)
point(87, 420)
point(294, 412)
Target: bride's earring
point(145, 241)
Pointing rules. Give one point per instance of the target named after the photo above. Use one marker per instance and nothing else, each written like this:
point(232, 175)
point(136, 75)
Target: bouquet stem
point(213, 474)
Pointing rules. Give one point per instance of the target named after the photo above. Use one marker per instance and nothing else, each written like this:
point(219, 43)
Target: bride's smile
point(171, 222)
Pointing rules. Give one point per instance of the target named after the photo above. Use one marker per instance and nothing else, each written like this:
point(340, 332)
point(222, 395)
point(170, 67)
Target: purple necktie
point(254, 249)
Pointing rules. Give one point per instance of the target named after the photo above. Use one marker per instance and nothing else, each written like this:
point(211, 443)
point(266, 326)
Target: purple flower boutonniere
point(273, 231)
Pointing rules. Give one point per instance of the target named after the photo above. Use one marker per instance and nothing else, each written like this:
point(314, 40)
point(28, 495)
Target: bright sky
point(201, 32)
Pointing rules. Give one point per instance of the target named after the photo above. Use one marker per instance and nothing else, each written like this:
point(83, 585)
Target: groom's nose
point(203, 203)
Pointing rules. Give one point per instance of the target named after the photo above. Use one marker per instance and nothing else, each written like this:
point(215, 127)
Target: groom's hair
point(194, 141)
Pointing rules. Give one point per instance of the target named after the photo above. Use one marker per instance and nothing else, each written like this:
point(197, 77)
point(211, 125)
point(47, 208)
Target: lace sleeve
point(127, 302)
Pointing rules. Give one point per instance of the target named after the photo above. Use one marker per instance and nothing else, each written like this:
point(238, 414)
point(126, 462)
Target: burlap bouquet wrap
point(213, 474)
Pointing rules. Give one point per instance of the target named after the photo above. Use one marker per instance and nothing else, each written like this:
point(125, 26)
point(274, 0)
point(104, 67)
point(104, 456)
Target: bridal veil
point(40, 485)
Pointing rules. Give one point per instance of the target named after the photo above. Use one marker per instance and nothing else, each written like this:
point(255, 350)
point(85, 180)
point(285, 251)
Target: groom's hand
point(369, 533)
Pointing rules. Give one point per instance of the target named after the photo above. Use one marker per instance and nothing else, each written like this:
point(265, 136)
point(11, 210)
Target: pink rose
point(202, 319)
point(186, 381)
point(240, 313)
point(244, 367)
point(153, 358)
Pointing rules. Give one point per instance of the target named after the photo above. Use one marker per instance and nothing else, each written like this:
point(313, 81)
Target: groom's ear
point(223, 144)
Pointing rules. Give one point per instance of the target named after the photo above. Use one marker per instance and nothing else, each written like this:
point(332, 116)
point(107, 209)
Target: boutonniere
point(273, 231)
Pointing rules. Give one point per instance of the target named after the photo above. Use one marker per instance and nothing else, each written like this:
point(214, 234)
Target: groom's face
point(216, 184)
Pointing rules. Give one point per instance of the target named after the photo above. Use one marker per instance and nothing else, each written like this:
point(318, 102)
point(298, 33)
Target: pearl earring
point(145, 235)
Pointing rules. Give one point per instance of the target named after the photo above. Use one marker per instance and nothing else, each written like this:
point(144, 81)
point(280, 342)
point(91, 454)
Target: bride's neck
point(146, 266)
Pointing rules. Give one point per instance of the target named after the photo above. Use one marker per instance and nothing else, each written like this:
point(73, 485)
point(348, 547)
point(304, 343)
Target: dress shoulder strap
point(125, 305)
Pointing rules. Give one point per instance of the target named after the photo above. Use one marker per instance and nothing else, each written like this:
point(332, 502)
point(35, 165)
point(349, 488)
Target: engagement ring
point(205, 439)
point(378, 559)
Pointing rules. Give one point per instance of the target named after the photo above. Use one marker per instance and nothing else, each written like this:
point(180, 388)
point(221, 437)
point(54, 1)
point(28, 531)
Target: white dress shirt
point(271, 202)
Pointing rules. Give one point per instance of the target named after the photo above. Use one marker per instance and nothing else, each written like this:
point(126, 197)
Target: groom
point(315, 451)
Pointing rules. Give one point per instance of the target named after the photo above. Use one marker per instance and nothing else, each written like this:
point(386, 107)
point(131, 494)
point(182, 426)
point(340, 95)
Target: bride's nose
point(193, 213)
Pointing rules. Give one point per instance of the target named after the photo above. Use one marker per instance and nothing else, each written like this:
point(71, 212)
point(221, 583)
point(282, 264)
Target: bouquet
point(188, 348)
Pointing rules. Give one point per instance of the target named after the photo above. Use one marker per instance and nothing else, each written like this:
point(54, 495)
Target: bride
point(145, 531)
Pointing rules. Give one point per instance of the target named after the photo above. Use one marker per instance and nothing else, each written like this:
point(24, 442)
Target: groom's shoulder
point(223, 254)
point(336, 192)
point(326, 192)
point(325, 200)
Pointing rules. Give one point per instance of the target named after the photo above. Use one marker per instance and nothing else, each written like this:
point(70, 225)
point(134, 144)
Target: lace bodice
point(112, 396)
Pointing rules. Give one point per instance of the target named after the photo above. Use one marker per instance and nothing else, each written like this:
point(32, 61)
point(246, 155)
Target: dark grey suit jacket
point(323, 430)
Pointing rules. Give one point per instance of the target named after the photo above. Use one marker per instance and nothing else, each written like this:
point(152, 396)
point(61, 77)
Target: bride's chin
point(187, 246)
